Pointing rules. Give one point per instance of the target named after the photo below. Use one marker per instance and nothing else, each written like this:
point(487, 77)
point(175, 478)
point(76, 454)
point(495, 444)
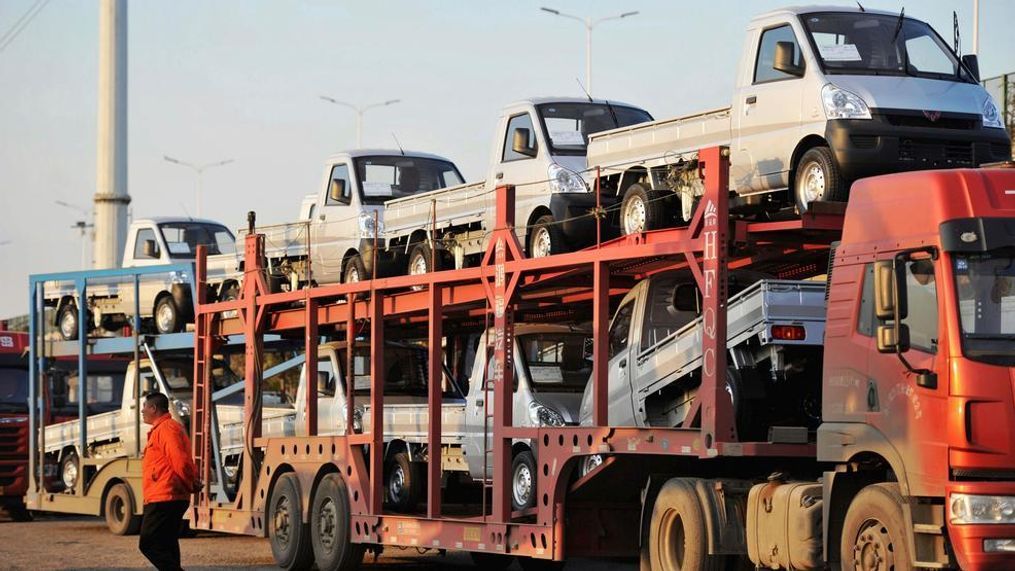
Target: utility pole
point(111, 198)
point(976, 27)
point(199, 171)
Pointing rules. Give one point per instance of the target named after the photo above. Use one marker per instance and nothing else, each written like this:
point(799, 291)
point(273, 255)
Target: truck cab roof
point(811, 9)
point(156, 220)
point(549, 99)
point(357, 153)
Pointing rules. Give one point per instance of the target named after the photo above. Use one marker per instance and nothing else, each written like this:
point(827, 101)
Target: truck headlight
point(366, 225)
point(991, 116)
point(565, 180)
point(357, 420)
point(182, 408)
point(179, 277)
point(968, 508)
point(842, 104)
point(541, 415)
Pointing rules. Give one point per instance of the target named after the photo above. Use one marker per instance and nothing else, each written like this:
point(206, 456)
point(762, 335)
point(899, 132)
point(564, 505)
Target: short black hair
point(158, 400)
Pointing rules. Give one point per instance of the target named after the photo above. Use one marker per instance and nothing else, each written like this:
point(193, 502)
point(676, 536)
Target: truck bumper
point(575, 209)
point(881, 145)
point(389, 262)
point(969, 540)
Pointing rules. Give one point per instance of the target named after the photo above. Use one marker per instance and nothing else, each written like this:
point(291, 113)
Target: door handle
point(499, 176)
point(321, 217)
point(751, 100)
point(479, 402)
point(623, 363)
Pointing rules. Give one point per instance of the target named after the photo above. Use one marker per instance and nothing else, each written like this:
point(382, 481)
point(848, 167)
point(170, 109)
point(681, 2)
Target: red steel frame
point(504, 281)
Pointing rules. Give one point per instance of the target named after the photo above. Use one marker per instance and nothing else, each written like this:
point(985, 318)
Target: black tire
point(290, 537)
point(18, 512)
point(330, 521)
point(167, 316)
point(491, 561)
point(653, 209)
point(677, 536)
point(402, 489)
point(875, 527)
point(523, 477)
point(354, 270)
point(119, 511)
point(230, 292)
point(67, 463)
point(817, 178)
point(545, 237)
point(67, 321)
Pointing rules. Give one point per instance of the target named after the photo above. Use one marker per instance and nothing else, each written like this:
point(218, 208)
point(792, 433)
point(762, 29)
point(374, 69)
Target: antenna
point(185, 211)
point(861, 7)
point(400, 149)
point(956, 39)
point(585, 91)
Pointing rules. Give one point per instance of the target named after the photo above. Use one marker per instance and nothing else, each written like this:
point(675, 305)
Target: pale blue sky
point(240, 79)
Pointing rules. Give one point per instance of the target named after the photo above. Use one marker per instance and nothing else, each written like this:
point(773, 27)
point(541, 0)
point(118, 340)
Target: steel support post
point(376, 402)
point(435, 379)
point(600, 343)
point(254, 283)
point(82, 287)
point(310, 367)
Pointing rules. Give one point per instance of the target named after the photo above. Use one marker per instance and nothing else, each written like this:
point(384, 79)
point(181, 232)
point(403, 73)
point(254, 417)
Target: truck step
point(928, 529)
point(930, 565)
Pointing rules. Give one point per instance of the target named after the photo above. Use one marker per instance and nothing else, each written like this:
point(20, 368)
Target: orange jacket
point(168, 469)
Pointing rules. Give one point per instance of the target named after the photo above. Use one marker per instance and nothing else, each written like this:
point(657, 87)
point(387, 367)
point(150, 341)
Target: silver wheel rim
point(165, 317)
point(70, 474)
point(352, 276)
point(280, 522)
point(873, 549)
point(542, 246)
point(68, 324)
point(328, 524)
point(522, 487)
point(419, 265)
point(634, 215)
point(813, 187)
point(591, 463)
point(396, 484)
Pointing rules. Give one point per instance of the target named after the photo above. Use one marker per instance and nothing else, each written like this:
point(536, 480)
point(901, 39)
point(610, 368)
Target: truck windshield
point(183, 238)
point(568, 125)
point(405, 372)
point(13, 390)
point(556, 362)
point(382, 178)
point(881, 44)
point(985, 284)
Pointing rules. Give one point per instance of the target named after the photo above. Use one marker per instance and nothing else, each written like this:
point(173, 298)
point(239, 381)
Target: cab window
point(620, 331)
point(339, 172)
point(144, 235)
point(764, 67)
point(523, 121)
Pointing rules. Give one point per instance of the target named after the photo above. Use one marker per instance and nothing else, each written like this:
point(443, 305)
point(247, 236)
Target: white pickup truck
point(538, 146)
point(164, 300)
point(822, 97)
point(336, 225)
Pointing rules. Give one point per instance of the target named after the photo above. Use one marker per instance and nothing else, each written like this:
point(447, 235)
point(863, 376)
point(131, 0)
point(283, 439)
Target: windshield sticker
point(376, 189)
point(542, 375)
point(567, 138)
point(178, 247)
point(845, 52)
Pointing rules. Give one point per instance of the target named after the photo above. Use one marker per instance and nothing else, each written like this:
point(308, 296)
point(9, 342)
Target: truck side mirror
point(150, 386)
point(150, 249)
point(893, 339)
point(520, 142)
point(785, 54)
point(972, 63)
point(686, 297)
point(889, 291)
point(337, 191)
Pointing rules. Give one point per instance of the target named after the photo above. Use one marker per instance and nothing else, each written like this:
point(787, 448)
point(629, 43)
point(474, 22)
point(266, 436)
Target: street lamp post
point(199, 171)
point(589, 23)
point(80, 225)
point(359, 109)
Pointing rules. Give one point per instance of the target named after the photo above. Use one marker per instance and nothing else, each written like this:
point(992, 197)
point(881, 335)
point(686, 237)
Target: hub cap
point(873, 549)
point(542, 246)
point(352, 276)
point(70, 474)
point(396, 484)
point(522, 485)
point(281, 523)
point(118, 509)
point(672, 539)
point(634, 216)
point(328, 524)
point(813, 187)
point(68, 324)
point(419, 265)
point(165, 317)
point(591, 463)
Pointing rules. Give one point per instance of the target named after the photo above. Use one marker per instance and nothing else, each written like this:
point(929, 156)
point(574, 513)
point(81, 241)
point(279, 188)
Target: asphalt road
point(71, 542)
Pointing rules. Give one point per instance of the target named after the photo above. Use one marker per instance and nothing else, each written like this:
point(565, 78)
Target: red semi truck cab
point(927, 407)
point(13, 422)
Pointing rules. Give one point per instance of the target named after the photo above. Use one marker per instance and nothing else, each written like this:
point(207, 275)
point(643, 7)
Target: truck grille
point(943, 121)
point(13, 453)
point(936, 153)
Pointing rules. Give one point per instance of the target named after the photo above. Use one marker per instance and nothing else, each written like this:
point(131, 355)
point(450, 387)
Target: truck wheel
point(874, 533)
point(523, 481)
point(290, 537)
point(69, 469)
point(677, 533)
point(68, 321)
point(167, 318)
point(818, 179)
point(421, 260)
point(642, 209)
point(355, 271)
point(401, 483)
point(545, 237)
point(329, 526)
point(18, 512)
point(119, 508)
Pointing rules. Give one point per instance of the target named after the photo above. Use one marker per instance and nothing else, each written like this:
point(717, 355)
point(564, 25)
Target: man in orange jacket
point(170, 477)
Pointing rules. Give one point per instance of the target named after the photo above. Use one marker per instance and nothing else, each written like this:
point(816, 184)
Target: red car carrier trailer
point(912, 463)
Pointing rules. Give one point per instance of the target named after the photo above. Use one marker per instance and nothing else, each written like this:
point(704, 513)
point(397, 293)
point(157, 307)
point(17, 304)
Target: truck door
point(519, 168)
point(336, 224)
point(621, 395)
point(768, 111)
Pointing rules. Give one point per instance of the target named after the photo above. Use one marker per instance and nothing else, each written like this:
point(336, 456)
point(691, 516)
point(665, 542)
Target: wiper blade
point(990, 336)
point(898, 24)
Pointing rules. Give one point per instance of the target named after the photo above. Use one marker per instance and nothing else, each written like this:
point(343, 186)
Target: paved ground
point(62, 542)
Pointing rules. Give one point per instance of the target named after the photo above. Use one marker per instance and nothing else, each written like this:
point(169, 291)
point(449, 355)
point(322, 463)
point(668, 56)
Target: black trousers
point(160, 533)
